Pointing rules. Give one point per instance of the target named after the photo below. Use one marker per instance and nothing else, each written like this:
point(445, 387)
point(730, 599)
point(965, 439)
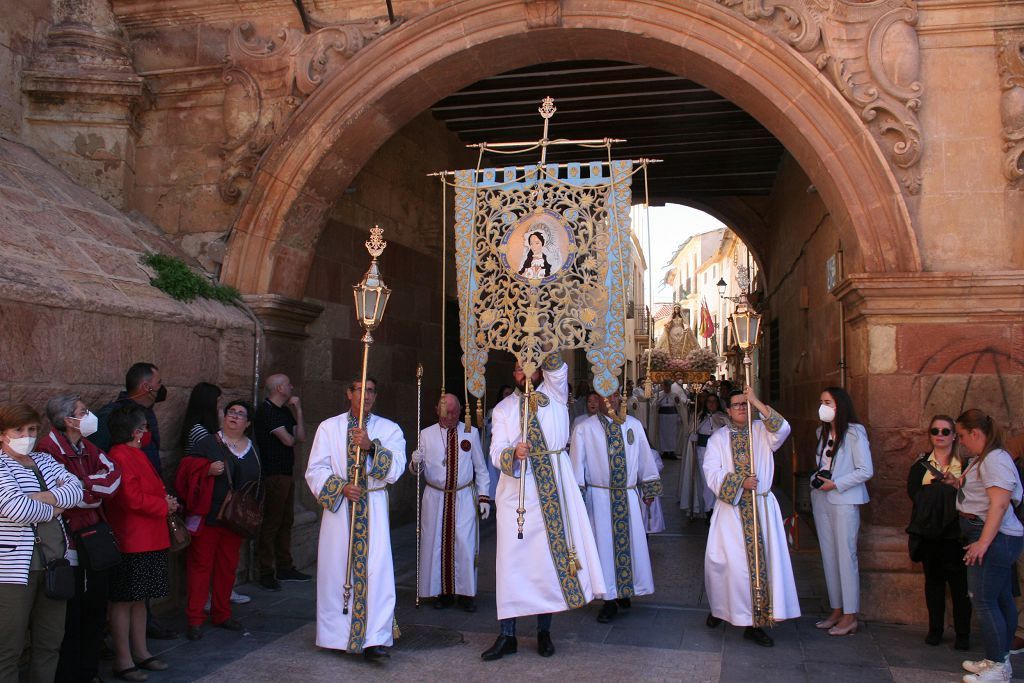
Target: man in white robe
point(748, 575)
point(457, 486)
point(554, 566)
point(593, 403)
point(671, 415)
point(492, 471)
point(613, 464)
point(366, 624)
point(638, 403)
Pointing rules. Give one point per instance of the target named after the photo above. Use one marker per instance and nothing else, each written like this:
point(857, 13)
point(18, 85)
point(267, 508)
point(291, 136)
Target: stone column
point(921, 344)
point(82, 94)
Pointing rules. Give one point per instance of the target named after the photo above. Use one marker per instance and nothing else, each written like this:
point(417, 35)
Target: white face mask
point(22, 445)
point(826, 413)
point(88, 424)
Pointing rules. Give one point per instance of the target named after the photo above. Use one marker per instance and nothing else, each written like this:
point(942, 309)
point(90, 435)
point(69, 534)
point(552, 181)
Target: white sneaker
point(239, 599)
point(977, 666)
point(997, 672)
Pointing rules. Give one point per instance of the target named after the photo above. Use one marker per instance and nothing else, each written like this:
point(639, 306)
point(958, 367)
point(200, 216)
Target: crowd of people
point(85, 541)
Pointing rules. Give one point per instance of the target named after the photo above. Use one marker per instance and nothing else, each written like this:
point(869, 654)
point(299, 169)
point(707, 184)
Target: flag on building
point(707, 325)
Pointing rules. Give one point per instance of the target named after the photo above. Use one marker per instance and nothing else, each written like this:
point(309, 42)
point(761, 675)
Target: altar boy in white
point(612, 460)
point(457, 486)
point(369, 626)
point(555, 565)
point(748, 575)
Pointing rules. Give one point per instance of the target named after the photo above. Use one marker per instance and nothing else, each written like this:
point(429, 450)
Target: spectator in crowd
point(838, 489)
point(935, 532)
point(137, 512)
point(213, 553)
point(34, 491)
point(71, 425)
point(989, 489)
point(279, 427)
point(143, 387)
point(202, 417)
point(1015, 447)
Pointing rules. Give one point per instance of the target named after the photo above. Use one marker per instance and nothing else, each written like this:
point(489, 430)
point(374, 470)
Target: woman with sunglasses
point(935, 532)
point(989, 490)
point(837, 492)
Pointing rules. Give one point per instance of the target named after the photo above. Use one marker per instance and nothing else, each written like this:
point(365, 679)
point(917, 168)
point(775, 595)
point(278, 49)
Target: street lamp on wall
point(722, 286)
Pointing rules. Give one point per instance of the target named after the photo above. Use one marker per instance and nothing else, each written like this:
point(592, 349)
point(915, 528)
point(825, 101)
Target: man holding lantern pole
point(363, 622)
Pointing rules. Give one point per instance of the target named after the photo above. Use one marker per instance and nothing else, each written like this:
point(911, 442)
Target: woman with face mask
point(71, 425)
point(34, 490)
point(138, 514)
point(843, 465)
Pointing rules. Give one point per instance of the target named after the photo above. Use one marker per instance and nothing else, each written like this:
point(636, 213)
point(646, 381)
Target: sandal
point(131, 674)
point(152, 664)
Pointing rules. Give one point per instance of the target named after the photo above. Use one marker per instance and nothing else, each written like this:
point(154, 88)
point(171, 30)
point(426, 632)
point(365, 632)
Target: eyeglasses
point(238, 413)
point(945, 431)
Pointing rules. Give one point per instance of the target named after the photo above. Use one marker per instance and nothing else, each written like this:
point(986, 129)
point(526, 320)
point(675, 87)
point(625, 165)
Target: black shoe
point(962, 642)
point(624, 603)
point(158, 632)
point(504, 645)
point(269, 583)
point(231, 625)
point(608, 612)
point(758, 636)
point(712, 621)
point(194, 633)
point(545, 648)
point(934, 636)
point(443, 601)
point(376, 653)
point(293, 574)
point(467, 603)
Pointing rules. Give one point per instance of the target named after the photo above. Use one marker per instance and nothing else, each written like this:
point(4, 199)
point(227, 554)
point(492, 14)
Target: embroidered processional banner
point(543, 263)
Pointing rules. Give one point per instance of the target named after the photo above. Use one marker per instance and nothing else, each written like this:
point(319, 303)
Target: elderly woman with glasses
point(838, 489)
point(68, 443)
point(213, 553)
point(935, 532)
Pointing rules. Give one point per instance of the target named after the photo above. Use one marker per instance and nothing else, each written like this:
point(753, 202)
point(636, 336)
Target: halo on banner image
point(538, 247)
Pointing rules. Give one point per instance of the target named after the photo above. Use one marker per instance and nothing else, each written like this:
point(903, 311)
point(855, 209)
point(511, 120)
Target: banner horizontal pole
point(523, 168)
point(543, 143)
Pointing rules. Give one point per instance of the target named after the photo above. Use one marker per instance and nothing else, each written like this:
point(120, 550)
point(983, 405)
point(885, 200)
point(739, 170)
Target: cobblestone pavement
point(662, 638)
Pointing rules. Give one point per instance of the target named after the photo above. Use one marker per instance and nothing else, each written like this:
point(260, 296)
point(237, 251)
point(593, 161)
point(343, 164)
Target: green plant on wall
point(175, 278)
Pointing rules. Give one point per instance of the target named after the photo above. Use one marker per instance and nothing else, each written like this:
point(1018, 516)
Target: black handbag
point(60, 575)
point(97, 547)
point(242, 509)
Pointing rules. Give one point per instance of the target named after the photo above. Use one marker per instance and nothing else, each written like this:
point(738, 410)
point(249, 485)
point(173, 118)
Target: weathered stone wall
point(19, 31)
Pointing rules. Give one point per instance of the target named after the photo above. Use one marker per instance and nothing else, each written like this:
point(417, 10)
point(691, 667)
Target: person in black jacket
point(935, 532)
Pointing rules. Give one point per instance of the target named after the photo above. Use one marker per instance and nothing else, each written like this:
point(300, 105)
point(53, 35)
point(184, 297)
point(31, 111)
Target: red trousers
point(210, 572)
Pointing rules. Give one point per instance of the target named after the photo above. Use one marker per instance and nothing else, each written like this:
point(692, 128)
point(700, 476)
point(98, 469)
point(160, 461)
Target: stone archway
point(401, 74)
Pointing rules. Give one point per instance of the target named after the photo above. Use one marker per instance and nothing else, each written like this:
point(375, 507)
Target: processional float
point(543, 265)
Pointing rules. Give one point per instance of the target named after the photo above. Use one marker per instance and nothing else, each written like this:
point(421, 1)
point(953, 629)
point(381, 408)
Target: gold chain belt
point(444, 490)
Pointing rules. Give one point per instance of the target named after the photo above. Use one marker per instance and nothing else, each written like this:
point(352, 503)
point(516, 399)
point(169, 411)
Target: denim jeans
point(990, 586)
point(508, 626)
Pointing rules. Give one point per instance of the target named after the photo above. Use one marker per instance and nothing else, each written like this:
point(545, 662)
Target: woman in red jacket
point(213, 553)
point(68, 443)
point(138, 514)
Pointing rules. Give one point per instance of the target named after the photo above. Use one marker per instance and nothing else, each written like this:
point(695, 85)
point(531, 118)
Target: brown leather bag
point(178, 532)
point(242, 509)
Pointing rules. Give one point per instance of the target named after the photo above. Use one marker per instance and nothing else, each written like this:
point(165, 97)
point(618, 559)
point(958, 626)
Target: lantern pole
point(370, 289)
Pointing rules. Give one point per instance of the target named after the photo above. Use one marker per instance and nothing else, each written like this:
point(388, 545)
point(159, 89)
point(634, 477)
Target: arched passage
point(398, 76)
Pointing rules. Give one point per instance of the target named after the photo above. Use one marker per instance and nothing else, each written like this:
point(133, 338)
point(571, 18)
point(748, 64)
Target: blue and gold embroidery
point(551, 508)
point(552, 362)
point(618, 504)
point(330, 495)
point(508, 459)
point(732, 483)
point(651, 489)
point(761, 600)
point(772, 421)
point(382, 459)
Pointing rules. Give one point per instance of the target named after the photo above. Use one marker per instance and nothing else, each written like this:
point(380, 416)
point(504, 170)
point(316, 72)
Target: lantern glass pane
point(370, 305)
point(357, 294)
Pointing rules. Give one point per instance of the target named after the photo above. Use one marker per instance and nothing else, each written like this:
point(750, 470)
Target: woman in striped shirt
point(34, 490)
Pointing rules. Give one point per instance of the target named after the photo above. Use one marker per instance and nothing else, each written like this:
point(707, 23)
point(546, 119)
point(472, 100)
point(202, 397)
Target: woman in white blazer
point(842, 466)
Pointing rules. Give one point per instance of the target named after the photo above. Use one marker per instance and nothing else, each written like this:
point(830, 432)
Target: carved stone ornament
point(1011, 77)
point(543, 13)
point(267, 78)
point(870, 52)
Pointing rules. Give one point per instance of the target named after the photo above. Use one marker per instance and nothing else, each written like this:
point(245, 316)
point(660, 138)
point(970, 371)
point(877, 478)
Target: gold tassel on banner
point(469, 423)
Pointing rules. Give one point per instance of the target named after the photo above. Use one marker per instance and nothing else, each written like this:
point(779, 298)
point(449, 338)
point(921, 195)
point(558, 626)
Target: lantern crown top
point(376, 244)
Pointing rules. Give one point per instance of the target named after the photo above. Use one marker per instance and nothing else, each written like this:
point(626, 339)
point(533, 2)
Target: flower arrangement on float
point(696, 367)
